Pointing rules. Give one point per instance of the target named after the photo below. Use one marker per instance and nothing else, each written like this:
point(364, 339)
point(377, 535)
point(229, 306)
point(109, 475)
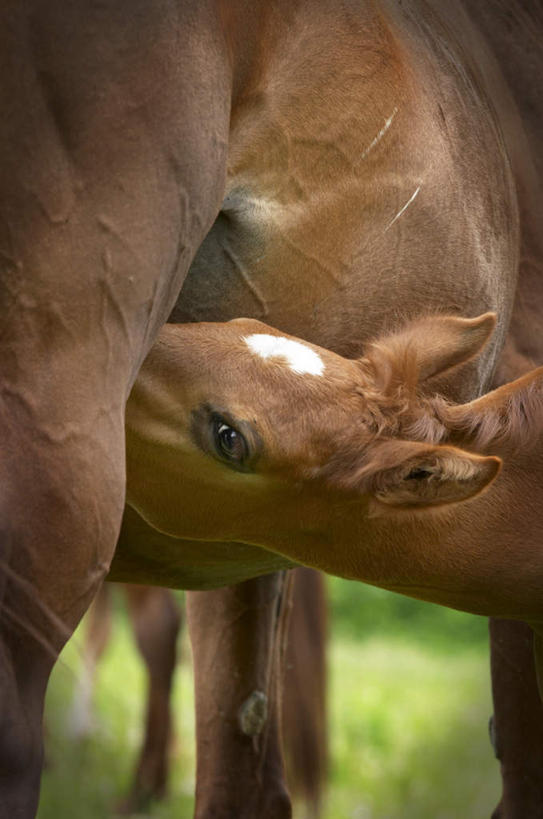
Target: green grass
point(409, 733)
point(409, 705)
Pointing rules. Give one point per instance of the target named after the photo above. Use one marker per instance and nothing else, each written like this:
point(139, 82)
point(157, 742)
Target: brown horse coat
point(373, 161)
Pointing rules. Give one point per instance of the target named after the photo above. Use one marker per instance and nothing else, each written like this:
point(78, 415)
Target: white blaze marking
point(402, 209)
point(300, 359)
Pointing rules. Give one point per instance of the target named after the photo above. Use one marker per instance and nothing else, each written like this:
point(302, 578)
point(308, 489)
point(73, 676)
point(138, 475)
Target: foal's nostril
point(418, 474)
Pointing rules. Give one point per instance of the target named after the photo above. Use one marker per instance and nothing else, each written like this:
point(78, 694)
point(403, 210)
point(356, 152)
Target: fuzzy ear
point(428, 347)
point(511, 412)
point(408, 474)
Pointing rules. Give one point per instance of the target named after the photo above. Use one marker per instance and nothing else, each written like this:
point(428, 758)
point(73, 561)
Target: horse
point(347, 167)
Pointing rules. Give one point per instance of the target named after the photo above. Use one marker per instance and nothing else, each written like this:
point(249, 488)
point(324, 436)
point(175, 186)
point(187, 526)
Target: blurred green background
point(409, 702)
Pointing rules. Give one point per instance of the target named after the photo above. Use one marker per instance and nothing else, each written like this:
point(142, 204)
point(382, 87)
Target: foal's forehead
point(300, 358)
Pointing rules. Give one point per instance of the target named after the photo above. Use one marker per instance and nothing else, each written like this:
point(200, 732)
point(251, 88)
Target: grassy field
point(409, 705)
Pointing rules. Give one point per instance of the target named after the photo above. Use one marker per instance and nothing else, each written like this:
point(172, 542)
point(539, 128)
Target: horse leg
point(112, 161)
point(517, 724)
point(237, 634)
point(304, 695)
point(55, 549)
point(97, 636)
point(156, 620)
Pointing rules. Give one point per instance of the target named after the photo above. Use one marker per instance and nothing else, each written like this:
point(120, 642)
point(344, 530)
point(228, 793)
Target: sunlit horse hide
point(372, 164)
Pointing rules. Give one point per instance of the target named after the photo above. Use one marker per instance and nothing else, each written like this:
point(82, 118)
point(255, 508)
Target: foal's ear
point(429, 347)
point(408, 474)
point(509, 415)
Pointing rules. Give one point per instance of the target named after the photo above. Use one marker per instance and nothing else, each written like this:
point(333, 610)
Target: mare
point(374, 161)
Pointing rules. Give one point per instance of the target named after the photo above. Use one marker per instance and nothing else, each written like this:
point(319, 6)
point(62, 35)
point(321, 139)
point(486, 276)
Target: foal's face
point(238, 432)
point(228, 421)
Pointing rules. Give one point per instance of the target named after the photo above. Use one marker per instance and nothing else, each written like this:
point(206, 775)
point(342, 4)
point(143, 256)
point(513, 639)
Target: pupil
point(230, 443)
point(228, 437)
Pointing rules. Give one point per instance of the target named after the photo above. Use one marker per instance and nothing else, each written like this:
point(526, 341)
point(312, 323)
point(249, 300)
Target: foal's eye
point(231, 445)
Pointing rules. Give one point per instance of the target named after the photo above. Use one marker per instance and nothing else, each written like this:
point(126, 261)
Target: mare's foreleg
point(236, 636)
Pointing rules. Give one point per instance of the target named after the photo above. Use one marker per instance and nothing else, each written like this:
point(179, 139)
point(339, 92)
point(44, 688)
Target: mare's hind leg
point(63, 503)
point(113, 141)
point(517, 726)
point(156, 619)
point(236, 636)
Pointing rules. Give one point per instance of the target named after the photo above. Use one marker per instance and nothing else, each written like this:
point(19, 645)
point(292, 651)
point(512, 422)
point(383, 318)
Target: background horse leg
point(97, 635)
point(156, 620)
point(517, 725)
point(236, 635)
